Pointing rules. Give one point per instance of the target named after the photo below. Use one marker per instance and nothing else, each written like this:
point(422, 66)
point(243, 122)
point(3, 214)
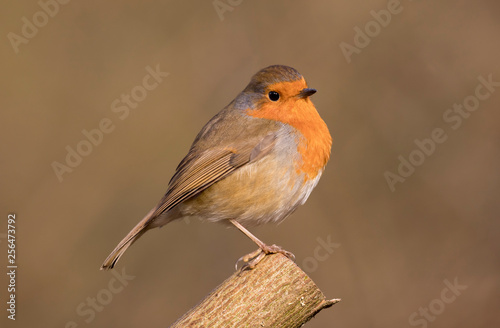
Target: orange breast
point(315, 141)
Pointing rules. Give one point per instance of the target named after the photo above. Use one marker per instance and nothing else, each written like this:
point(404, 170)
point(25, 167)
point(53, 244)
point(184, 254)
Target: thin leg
point(249, 234)
point(253, 258)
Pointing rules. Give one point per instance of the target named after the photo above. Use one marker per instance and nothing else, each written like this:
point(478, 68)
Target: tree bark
point(276, 293)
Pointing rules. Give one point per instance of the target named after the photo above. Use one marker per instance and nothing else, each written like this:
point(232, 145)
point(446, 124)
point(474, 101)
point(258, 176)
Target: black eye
point(274, 96)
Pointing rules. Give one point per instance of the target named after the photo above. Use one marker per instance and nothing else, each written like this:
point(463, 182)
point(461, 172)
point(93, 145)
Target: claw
point(273, 249)
point(251, 260)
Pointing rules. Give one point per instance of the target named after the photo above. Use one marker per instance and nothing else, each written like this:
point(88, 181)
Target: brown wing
point(196, 173)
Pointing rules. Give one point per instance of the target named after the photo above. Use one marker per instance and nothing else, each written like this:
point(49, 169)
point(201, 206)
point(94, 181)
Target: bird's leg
point(252, 259)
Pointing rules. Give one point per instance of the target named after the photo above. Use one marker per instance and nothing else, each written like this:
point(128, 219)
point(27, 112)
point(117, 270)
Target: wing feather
point(196, 173)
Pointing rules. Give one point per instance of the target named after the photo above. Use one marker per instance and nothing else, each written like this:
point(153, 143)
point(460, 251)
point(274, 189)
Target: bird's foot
point(273, 249)
point(251, 260)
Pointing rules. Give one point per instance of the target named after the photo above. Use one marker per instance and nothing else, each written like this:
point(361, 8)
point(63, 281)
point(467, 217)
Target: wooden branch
point(276, 293)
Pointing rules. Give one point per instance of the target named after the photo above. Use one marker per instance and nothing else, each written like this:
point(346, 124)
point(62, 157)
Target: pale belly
point(255, 194)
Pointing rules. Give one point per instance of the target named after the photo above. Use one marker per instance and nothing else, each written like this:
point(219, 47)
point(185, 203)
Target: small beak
point(306, 92)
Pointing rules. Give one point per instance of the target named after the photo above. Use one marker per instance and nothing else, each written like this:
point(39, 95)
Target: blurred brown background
point(395, 254)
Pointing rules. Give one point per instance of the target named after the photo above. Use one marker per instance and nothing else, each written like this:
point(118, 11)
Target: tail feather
point(132, 236)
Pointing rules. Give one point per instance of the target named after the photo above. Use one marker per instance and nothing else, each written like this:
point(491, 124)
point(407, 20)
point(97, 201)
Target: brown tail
point(132, 236)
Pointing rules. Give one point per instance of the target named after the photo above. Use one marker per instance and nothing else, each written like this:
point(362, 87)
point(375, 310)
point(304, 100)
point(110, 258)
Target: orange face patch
point(315, 142)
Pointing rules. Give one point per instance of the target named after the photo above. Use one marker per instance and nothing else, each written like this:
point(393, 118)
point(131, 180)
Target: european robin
point(254, 162)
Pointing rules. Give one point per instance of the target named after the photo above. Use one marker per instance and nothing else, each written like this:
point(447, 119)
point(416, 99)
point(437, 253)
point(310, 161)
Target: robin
point(254, 162)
